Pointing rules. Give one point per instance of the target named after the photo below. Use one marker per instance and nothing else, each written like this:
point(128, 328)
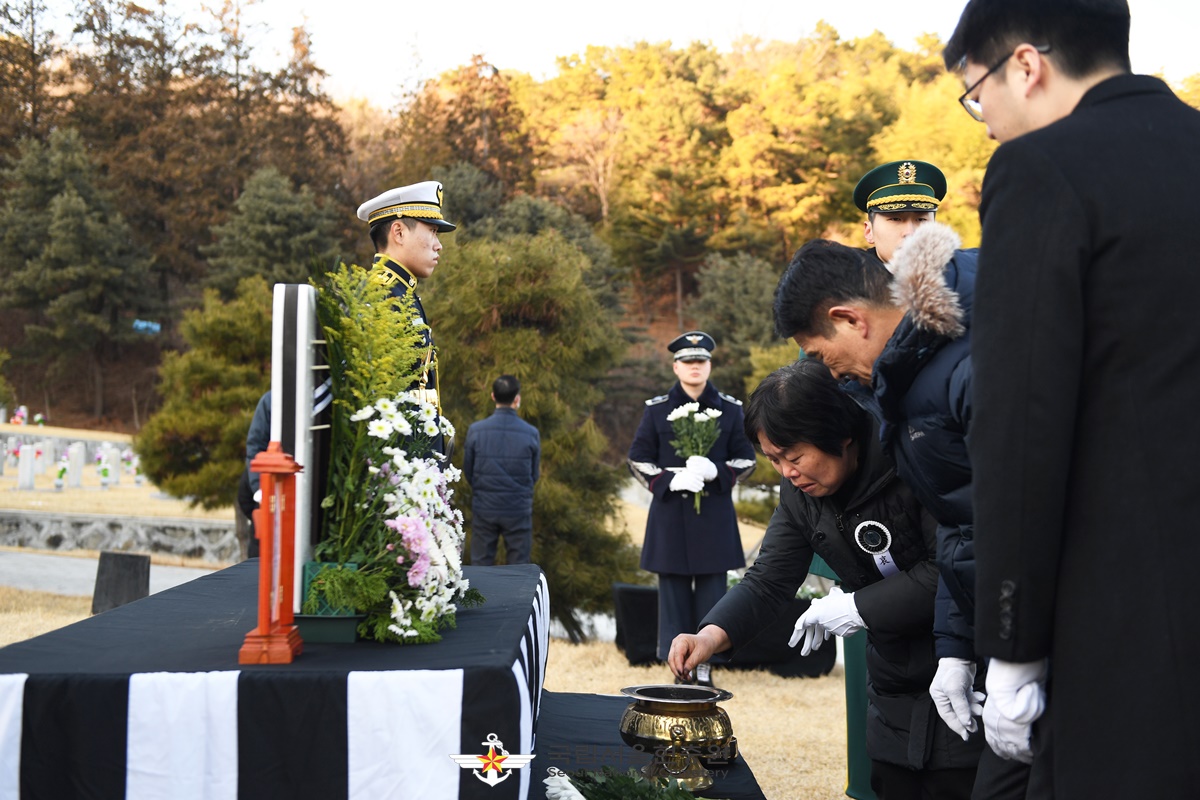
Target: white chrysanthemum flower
point(430, 428)
point(426, 412)
point(683, 411)
point(713, 413)
point(379, 428)
point(402, 425)
point(559, 787)
point(386, 406)
point(361, 414)
point(452, 474)
point(447, 428)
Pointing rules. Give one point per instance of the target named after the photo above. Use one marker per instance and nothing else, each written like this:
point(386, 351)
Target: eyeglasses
point(973, 106)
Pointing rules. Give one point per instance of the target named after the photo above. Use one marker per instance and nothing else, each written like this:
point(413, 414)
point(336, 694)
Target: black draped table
point(148, 701)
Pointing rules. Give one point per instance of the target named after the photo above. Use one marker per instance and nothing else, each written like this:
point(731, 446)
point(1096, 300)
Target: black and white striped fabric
point(148, 701)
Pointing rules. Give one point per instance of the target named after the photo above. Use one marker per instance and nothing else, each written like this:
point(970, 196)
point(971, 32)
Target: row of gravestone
point(36, 458)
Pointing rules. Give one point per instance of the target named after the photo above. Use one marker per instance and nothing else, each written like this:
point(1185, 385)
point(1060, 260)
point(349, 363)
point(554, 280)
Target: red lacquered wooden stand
point(276, 640)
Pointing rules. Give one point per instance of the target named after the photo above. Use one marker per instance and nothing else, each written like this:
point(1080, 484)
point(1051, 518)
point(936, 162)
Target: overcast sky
point(372, 48)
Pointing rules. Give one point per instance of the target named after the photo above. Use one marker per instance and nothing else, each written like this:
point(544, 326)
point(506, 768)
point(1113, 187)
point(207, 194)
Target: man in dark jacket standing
point(1086, 395)
point(502, 461)
point(840, 498)
point(691, 549)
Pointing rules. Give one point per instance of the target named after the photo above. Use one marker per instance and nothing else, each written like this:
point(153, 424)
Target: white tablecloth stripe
point(12, 702)
point(183, 736)
point(403, 727)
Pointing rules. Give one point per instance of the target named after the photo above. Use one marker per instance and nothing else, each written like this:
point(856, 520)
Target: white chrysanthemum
point(361, 414)
point(386, 406)
point(452, 474)
point(426, 412)
point(402, 425)
point(447, 428)
point(379, 428)
point(712, 413)
point(430, 428)
point(559, 787)
point(683, 411)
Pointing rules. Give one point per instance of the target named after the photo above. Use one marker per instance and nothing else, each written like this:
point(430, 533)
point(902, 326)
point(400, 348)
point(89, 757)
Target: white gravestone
point(25, 467)
point(76, 456)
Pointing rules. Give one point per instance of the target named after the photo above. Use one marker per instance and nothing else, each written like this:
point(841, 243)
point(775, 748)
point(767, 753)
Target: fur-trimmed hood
point(931, 285)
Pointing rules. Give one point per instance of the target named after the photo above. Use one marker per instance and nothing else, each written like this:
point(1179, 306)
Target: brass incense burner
point(683, 728)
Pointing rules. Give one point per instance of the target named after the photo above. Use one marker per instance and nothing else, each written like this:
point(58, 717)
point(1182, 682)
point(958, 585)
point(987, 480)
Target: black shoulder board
point(653, 401)
point(729, 399)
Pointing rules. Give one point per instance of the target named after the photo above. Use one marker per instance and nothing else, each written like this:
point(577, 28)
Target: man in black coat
point(502, 462)
point(1085, 427)
point(840, 498)
point(690, 544)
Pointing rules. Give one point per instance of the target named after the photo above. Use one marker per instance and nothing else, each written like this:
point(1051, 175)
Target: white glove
point(702, 466)
point(953, 697)
point(1016, 698)
point(834, 613)
point(687, 481)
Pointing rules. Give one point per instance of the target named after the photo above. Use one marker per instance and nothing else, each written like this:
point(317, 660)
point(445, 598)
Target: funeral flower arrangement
point(696, 431)
point(392, 536)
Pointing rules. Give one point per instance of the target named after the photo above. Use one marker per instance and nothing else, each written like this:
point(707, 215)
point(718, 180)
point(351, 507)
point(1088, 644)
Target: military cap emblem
point(907, 173)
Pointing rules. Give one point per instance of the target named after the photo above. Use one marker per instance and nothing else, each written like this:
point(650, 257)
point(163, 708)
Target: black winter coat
point(921, 394)
point(902, 726)
point(1086, 432)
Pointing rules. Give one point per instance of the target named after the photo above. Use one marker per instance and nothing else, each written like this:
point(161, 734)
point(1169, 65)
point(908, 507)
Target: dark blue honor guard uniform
point(421, 202)
point(690, 552)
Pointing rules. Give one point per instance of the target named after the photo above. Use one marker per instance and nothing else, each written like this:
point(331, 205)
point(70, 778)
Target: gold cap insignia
point(907, 173)
point(695, 339)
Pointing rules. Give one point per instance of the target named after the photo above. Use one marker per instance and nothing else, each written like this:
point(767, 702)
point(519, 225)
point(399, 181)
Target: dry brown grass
point(24, 615)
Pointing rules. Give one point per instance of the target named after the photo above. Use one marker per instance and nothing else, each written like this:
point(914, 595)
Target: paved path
point(73, 575)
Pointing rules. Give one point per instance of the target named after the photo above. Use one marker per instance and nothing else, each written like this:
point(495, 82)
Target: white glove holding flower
point(834, 613)
point(686, 481)
point(702, 466)
point(956, 703)
point(1016, 697)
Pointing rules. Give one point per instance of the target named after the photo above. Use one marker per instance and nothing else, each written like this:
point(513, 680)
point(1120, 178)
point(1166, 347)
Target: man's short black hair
point(505, 389)
point(803, 404)
point(1084, 36)
point(823, 274)
point(381, 229)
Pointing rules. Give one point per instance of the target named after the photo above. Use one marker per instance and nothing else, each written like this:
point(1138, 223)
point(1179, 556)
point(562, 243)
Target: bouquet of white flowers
point(695, 432)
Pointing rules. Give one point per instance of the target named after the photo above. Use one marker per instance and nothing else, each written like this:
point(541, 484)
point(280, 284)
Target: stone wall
point(195, 538)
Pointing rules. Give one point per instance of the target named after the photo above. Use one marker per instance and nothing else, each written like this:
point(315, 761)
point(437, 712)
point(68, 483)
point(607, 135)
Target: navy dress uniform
point(423, 202)
point(691, 552)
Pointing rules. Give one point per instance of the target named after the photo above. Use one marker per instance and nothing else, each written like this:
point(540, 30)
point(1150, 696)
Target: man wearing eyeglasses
point(1086, 392)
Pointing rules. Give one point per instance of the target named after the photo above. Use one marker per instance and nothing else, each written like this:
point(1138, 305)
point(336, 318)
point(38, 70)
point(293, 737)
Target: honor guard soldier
point(690, 545)
point(405, 225)
point(897, 197)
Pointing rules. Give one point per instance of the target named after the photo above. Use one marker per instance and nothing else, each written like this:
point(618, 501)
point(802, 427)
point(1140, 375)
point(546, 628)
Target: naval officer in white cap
point(405, 224)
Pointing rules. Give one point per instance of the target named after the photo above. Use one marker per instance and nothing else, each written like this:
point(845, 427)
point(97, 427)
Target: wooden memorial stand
point(276, 640)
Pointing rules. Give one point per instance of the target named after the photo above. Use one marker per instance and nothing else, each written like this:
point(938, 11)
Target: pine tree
point(733, 305)
point(194, 447)
point(66, 256)
point(276, 231)
point(520, 304)
point(29, 103)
